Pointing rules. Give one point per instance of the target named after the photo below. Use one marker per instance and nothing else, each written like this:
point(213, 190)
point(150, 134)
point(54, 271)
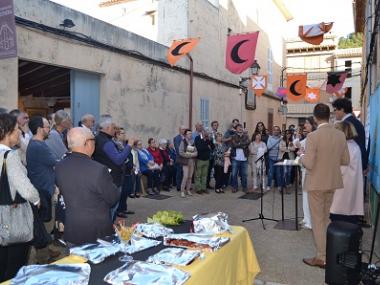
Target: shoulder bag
point(16, 216)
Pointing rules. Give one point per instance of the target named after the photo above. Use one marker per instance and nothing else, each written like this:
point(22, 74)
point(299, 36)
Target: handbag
point(16, 217)
point(41, 238)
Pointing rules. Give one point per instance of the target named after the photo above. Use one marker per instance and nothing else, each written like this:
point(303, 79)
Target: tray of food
point(196, 241)
point(152, 230)
point(174, 256)
point(212, 223)
point(145, 273)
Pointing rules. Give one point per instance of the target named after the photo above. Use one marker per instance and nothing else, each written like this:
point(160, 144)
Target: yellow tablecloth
point(235, 263)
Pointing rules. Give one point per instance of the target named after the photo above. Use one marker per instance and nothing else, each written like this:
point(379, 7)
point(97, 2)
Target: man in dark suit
point(88, 190)
point(343, 112)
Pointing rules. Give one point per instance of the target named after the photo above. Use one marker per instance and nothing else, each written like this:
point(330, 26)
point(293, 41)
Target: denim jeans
point(283, 175)
point(153, 178)
point(114, 207)
point(126, 189)
point(272, 170)
point(241, 168)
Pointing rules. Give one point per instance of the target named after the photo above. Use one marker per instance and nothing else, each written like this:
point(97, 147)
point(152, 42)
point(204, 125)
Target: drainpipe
point(191, 91)
point(369, 32)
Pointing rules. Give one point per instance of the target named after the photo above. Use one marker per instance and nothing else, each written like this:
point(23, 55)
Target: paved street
point(279, 252)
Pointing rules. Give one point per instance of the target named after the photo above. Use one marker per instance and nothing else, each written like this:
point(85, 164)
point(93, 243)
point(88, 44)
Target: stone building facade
point(135, 84)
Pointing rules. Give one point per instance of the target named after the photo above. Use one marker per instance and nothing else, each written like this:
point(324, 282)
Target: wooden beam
point(40, 79)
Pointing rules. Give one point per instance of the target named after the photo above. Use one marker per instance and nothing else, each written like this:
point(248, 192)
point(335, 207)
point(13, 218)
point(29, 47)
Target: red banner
point(240, 52)
point(8, 46)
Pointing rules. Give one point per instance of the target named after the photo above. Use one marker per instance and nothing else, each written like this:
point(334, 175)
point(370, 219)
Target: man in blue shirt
point(107, 153)
point(273, 146)
point(40, 166)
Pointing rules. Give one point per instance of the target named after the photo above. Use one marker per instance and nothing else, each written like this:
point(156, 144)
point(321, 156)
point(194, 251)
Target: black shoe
point(131, 195)
point(129, 212)
point(150, 192)
point(121, 215)
point(137, 195)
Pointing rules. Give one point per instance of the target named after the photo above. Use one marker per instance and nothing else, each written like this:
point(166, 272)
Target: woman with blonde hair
point(348, 202)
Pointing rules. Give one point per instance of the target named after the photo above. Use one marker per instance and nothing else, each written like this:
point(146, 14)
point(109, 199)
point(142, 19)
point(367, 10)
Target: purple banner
point(8, 47)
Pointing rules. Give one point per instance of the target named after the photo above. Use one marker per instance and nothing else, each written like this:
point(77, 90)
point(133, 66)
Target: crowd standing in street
point(70, 179)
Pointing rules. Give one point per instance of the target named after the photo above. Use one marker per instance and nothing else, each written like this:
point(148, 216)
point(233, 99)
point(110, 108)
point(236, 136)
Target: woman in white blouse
point(257, 149)
point(15, 255)
point(309, 126)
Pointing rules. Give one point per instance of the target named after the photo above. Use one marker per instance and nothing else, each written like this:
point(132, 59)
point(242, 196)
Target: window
point(348, 69)
point(270, 69)
point(205, 112)
point(348, 94)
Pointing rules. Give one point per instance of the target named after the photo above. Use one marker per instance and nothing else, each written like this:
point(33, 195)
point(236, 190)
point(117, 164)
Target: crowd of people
point(66, 178)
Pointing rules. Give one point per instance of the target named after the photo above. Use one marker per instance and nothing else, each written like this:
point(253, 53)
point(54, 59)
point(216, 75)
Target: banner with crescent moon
point(296, 86)
point(335, 81)
point(312, 95)
point(313, 34)
point(180, 48)
point(259, 84)
point(240, 52)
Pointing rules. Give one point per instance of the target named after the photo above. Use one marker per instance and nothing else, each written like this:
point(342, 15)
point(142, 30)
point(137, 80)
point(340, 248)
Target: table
point(234, 263)
point(288, 224)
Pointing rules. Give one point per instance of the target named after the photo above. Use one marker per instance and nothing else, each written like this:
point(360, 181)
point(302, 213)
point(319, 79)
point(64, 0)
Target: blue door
point(85, 93)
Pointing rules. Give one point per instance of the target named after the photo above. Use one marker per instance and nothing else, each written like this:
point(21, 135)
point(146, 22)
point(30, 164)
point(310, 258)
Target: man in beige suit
point(326, 151)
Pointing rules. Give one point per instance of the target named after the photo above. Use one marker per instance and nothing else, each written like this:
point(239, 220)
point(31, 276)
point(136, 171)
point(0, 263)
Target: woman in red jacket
point(157, 156)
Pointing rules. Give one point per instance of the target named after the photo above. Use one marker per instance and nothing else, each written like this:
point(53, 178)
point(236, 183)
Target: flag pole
point(191, 91)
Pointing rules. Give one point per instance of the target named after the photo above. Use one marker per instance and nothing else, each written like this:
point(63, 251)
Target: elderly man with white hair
point(88, 122)
point(88, 190)
point(56, 139)
point(108, 154)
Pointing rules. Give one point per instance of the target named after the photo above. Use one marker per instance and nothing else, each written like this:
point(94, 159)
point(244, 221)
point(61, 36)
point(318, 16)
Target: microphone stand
point(261, 215)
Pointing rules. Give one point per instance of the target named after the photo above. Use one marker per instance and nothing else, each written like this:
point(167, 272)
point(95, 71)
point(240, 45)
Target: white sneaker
point(183, 195)
point(189, 193)
point(268, 188)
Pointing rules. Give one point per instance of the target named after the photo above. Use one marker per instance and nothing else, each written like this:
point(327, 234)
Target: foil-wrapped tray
point(96, 252)
point(153, 230)
point(196, 241)
point(144, 273)
point(138, 243)
point(213, 223)
point(59, 274)
point(174, 256)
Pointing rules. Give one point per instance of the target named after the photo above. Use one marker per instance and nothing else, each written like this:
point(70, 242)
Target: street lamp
point(250, 97)
point(255, 68)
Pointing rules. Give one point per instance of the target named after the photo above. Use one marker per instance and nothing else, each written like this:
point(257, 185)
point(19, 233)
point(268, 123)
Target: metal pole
point(282, 77)
point(191, 92)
